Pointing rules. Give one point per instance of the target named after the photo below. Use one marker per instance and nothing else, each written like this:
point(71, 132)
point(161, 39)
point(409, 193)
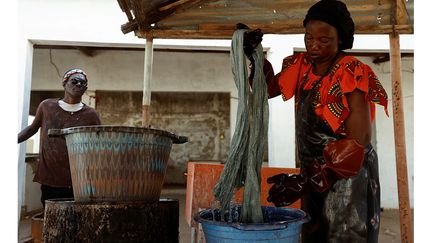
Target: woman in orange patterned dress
point(335, 96)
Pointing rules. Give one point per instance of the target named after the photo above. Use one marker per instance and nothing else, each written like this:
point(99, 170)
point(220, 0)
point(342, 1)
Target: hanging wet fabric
point(243, 165)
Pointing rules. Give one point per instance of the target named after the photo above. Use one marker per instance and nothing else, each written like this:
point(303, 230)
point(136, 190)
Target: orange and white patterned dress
point(330, 102)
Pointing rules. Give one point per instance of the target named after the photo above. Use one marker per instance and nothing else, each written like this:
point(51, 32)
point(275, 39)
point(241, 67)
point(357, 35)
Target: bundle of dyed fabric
point(243, 165)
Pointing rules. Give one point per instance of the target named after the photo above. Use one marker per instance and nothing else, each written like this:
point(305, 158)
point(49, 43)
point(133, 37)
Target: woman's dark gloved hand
point(341, 159)
point(251, 39)
point(287, 188)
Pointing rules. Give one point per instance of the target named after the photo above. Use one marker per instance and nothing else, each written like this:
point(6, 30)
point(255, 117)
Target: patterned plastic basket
point(117, 163)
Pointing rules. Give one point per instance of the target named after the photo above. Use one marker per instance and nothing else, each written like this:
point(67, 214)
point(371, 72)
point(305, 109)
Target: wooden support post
point(399, 136)
point(148, 66)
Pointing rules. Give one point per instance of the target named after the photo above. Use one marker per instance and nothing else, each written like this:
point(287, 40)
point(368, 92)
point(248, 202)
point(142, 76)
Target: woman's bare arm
point(358, 123)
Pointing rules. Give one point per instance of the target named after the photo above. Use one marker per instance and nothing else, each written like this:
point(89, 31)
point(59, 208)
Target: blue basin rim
point(301, 218)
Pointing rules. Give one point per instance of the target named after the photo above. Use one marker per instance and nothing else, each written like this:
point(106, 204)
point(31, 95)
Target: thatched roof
point(217, 18)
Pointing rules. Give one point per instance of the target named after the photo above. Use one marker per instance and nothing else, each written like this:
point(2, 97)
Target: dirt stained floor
point(389, 228)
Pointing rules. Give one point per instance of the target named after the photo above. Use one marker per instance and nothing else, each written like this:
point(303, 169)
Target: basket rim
point(121, 129)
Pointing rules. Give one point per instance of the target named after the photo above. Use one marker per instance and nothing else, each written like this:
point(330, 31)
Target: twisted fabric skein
point(243, 165)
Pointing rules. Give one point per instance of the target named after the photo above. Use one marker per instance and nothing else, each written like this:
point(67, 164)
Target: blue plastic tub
point(280, 225)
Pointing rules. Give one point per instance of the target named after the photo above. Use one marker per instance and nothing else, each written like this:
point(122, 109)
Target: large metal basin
point(117, 163)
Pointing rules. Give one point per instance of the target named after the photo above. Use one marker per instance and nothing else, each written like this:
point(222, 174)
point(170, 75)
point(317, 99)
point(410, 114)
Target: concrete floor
point(389, 229)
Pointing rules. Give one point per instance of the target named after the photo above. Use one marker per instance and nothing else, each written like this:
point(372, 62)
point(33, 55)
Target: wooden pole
point(399, 136)
point(148, 66)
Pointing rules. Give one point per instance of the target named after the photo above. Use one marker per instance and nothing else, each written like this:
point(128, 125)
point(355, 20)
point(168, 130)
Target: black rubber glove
point(251, 39)
point(287, 188)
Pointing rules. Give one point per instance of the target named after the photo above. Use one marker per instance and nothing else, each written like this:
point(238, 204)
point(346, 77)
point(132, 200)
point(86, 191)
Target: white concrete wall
point(25, 59)
point(281, 120)
point(385, 132)
point(123, 70)
point(99, 21)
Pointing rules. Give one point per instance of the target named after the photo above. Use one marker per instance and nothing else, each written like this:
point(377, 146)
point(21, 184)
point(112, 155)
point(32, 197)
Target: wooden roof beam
point(226, 31)
point(175, 4)
point(125, 8)
point(400, 13)
point(148, 15)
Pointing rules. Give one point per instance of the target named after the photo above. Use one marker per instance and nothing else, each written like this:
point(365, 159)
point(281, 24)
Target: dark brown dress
point(53, 169)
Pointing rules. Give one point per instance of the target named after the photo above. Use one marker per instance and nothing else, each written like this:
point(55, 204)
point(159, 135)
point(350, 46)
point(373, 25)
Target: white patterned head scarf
point(71, 72)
